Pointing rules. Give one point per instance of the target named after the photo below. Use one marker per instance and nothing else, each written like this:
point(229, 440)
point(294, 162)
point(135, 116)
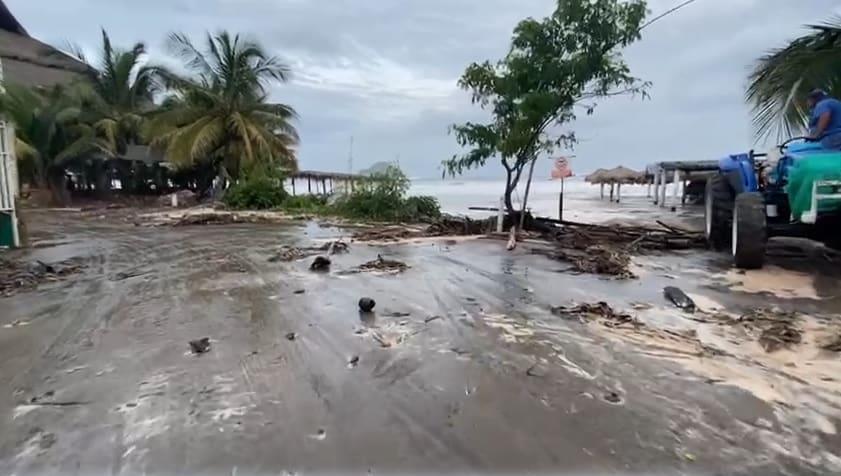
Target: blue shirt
point(833, 107)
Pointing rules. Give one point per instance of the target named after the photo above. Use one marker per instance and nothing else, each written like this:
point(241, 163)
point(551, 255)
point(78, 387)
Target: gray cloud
point(385, 72)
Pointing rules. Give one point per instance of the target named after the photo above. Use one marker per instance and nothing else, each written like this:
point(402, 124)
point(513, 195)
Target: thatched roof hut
point(30, 62)
point(620, 175)
point(595, 177)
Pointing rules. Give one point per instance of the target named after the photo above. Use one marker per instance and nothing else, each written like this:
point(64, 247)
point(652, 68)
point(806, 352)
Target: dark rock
point(679, 298)
point(200, 346)
point(320, 263)
point(367, 304)
point(291, 336)
point(300, 291)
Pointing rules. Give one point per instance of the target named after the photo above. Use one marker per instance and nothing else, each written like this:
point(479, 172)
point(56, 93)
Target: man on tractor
point(825, 119)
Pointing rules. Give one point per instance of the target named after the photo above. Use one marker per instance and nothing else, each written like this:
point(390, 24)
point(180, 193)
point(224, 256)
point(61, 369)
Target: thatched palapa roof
point(30, 62)
point(619, 174)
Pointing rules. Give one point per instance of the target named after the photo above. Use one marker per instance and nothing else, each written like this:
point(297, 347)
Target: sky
point(385, 72)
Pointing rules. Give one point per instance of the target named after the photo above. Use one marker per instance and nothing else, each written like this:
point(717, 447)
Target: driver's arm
point(823, 123)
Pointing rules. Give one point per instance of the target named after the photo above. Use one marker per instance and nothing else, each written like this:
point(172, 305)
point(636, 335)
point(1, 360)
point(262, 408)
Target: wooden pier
point(687, 178)
point(328, 181)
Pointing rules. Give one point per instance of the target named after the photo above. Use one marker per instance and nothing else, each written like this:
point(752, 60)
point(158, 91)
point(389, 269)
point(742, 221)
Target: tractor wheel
point(718, 212)
point(749, 234)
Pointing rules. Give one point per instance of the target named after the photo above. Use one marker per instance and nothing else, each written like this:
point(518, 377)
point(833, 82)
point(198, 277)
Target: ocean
point(581, 199)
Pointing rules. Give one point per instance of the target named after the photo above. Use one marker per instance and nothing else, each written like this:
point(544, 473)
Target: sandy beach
point(462, 366)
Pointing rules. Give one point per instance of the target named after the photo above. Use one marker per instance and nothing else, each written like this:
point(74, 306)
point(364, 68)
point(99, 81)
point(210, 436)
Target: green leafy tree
point(781, 79)
point(569, 59)
point(219, 115)
point(49, 133)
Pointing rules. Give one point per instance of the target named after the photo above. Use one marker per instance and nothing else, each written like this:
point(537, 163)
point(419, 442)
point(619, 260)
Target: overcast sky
point(385, 71)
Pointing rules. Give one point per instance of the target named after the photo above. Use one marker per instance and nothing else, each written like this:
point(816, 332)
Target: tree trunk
point(57, 183)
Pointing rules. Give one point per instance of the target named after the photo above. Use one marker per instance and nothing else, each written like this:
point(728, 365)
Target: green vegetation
point(566, 60)
point(255, 193)
point(780, 80)
point(213, 123)
point(382, 197)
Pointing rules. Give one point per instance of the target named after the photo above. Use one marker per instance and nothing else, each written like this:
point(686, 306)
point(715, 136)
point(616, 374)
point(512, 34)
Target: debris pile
point(293, 253)
point(777, 329)
point(383, 264)
point(606, 249)
point(200, 346)
point(15, 277)
point(447, 225)
point(220, 218)
point(600, 310)
point(320, 263)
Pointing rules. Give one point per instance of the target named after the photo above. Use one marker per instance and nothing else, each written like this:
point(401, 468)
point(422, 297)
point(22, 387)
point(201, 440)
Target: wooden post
point(618, 192)
point(324, 185)
point(293, 186)
point(648, 192)
point(684, 183)
point(612, 185)
point(309, 185)
point(601, 190)
point(663, 187)
point(656, 186)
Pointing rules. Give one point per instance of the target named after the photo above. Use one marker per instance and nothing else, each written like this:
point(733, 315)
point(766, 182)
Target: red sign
point(561, 169)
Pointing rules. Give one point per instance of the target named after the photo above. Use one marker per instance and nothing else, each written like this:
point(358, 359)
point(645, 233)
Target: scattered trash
point(601, 309)
point(383, 264)
point(594, 259)
point(200, 346)
point(689, 457)
point(385, 341)
point(833, 344)
point(320, 263)
point(299, 291)
point(399, 314)
point(366, 304)
point(292, 253)
point(320, 435)
point(430, 319)
point(679, 298)
point(123, 275)
point(533, 371)
point(336, 247)
point(612, 397)
point(353, 362)
point(15, 323)
point(291, 336)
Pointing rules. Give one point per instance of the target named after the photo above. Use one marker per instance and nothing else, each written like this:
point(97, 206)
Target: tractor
point(794, 191)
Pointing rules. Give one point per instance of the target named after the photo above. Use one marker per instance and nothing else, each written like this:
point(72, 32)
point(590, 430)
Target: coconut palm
point(49, 133)
point(120, 92)
point(781, 79)
point(220, 113)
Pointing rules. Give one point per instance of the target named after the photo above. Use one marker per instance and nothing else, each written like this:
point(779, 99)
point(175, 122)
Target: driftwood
point(606, 250)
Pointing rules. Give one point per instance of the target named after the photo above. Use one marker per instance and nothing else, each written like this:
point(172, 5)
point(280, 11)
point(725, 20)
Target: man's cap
point(817, 94)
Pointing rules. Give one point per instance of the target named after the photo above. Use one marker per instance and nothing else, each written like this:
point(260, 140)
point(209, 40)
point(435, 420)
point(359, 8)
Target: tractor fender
point(739, 170)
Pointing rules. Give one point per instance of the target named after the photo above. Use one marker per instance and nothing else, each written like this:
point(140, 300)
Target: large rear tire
point(749, 234)
point(718, 212)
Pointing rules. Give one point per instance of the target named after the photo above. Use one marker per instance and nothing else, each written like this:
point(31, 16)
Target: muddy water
point(460, 367)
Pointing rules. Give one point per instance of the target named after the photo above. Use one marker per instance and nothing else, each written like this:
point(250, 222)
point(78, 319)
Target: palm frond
point(781, 79)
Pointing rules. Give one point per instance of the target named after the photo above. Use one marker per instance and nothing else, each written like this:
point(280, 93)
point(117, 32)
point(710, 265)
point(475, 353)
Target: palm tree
point(49, 133)
point(219, 114)
point(781, 79)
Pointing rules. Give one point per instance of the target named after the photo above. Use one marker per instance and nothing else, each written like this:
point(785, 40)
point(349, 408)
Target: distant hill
point(378, 167)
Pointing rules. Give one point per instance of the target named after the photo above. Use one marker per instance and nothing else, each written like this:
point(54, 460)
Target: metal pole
point(526, 196)
point(601, 190)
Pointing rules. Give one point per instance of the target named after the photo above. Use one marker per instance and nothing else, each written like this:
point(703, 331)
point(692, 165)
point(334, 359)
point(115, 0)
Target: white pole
point(676, 185)
point(656, 186)
point(648, 192)
point(174, 199)
point(499, 214)
point(601, 187)
point(663, 184)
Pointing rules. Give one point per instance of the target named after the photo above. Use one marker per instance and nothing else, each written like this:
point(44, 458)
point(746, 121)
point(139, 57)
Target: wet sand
point(478, 374)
